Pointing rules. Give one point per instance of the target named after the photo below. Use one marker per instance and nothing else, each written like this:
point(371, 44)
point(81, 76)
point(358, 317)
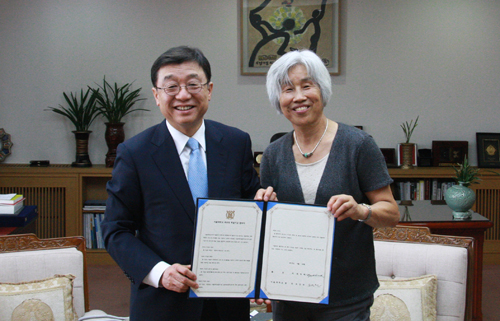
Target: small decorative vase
point(82, 149)
point(460, 199)
point(407, 155)
point(114, 135)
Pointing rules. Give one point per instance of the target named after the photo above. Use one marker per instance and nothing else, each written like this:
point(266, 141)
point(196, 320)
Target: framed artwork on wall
point(488, 145)
point(270, 28)
point(449, 152)
point(5, 145)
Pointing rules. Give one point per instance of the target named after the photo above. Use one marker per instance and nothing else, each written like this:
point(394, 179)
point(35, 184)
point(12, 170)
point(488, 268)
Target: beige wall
point(436, 58)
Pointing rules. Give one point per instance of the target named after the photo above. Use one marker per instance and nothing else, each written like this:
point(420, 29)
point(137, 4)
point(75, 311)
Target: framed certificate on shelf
point(253, 249)
point(488, 149)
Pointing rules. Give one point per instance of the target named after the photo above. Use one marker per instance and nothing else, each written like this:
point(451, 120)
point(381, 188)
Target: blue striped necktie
point(197, 172)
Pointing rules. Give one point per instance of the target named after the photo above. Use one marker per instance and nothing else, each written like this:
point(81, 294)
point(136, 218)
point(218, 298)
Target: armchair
point(45, 271)
point(405, 256)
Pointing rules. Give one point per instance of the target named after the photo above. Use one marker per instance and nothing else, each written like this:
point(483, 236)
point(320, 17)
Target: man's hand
point(266, 195)
point(178, 278)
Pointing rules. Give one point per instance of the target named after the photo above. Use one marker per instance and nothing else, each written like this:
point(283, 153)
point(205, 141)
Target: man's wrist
point(154, 276)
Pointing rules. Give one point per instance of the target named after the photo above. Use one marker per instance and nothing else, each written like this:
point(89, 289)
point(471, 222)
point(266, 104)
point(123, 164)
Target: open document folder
point(268, 250)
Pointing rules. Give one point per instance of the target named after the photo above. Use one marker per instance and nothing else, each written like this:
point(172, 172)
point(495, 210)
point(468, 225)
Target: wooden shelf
point(422, 172)
point(60, 190)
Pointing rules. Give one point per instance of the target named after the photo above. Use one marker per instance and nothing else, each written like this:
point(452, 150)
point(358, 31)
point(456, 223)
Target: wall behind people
point(399, 59)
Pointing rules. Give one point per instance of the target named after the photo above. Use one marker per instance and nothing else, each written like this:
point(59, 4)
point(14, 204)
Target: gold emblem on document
point(230, 215)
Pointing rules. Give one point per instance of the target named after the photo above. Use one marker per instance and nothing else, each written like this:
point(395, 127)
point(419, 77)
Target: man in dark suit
point(150, 212)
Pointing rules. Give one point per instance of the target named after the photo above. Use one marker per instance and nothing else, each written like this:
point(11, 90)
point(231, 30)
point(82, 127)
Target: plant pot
point(82, 149)
point(407, 155)
point(114, 135)
point(460, 199)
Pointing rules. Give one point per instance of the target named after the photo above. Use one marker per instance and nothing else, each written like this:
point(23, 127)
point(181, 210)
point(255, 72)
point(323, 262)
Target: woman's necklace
point(307, 155)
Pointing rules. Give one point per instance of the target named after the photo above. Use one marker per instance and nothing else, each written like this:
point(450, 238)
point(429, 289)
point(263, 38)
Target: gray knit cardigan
point(355, 166)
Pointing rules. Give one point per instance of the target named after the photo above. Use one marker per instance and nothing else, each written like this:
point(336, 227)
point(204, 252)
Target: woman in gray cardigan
point(332, 164)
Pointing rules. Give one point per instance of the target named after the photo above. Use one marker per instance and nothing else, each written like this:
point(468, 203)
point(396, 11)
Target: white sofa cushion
point(396, 260)
point(412, 299)
point(47, 299)
point(25, 266)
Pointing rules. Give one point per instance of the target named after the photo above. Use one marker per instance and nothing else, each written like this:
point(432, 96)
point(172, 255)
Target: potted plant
point(407, 149)
point(466, 174)
point(114, 103)
point(460, 198)
point(81, 112)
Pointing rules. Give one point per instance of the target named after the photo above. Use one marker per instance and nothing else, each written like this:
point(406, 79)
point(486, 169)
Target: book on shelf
point(12, 209)
point(10, 199)
point(92, 205)
point(434, 194)
point(92, 230)
point(23, 218)
point(421, 189)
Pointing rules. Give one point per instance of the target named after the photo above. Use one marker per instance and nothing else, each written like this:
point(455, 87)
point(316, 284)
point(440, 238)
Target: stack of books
point(93, 214)
point(93, 205)
point(11, 203)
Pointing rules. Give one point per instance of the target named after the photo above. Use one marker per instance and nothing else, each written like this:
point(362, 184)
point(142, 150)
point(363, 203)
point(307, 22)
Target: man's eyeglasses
point(173, 89)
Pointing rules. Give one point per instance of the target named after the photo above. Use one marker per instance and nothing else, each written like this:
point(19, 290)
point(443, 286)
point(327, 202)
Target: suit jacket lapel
point(216, 159)
point(169, 164)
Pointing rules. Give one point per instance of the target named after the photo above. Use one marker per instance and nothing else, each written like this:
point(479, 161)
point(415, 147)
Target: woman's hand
point(343, 206)
point(385, 211)
point(267, 194)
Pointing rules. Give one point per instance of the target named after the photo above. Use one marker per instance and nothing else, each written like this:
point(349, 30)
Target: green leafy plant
point(115, 102)
point(466, 173)
point(469, 175)
point(80, 112)
point(408, 128)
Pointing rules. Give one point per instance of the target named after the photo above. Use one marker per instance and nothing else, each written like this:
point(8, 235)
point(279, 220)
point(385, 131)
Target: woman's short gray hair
point(277, 76)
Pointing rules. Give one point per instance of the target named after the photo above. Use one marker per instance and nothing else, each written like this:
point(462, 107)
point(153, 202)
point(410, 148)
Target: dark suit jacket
point(150, 211)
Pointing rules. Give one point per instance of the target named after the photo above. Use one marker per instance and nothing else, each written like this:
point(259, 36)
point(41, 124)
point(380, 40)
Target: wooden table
point(439, 219)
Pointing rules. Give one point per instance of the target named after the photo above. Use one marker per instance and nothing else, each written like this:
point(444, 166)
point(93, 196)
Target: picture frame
point(267, 32)
point(389, 156)
point(257, 157)
point(488, 145)
point(5, 145)
point(424, 157)
point(449, 152)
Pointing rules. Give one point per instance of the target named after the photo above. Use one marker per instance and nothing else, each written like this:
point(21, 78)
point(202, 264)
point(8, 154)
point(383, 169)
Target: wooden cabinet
point(60, 190)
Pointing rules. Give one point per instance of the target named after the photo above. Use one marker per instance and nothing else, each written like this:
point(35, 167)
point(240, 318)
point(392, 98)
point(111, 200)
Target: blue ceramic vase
point(460, 199)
